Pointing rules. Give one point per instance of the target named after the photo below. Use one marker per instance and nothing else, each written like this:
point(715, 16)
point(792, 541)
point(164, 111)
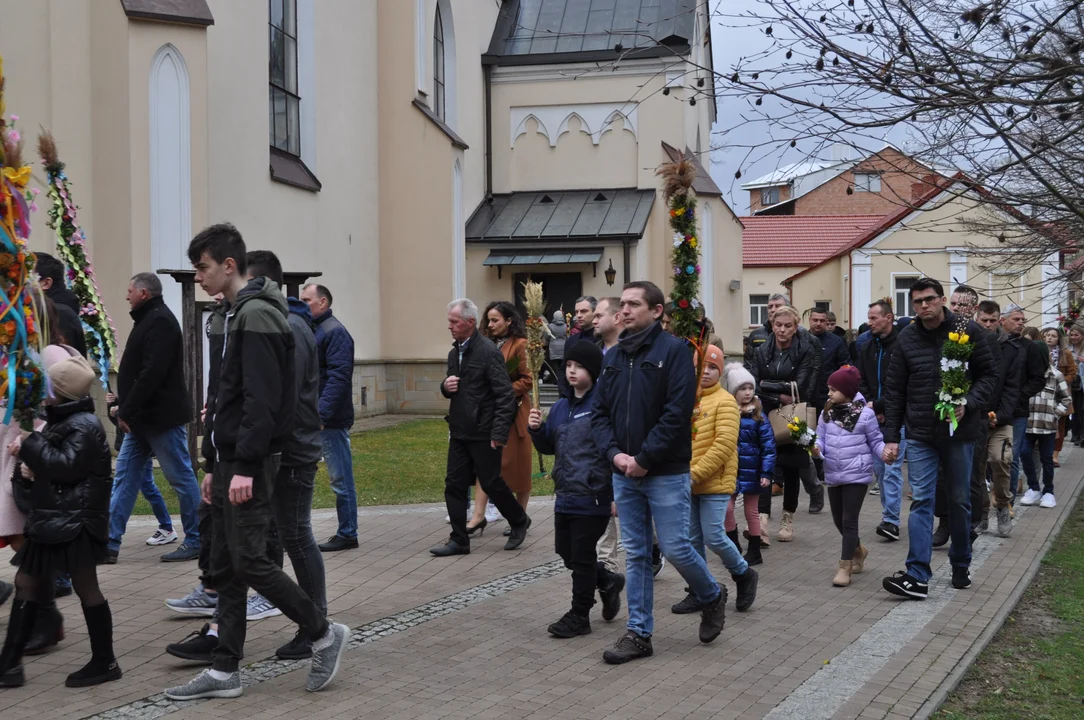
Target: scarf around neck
point(846, 416)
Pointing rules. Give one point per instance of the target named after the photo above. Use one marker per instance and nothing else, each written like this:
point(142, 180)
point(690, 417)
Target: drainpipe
point(627, 261)
point(487, 89)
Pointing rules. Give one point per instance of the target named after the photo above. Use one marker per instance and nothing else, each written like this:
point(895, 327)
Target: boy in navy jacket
point(584, 488)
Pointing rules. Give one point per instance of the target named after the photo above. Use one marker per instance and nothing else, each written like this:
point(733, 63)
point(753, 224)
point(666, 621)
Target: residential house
point(356, 140)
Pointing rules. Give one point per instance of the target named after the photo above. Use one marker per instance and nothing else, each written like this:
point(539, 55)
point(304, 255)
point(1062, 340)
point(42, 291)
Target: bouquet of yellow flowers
point(802, 435)
point(955, 379)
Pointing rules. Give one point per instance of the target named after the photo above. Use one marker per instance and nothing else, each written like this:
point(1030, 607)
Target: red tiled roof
point(773, 240)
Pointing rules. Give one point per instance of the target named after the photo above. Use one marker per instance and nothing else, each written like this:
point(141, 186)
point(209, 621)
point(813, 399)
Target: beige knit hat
point(71, 378)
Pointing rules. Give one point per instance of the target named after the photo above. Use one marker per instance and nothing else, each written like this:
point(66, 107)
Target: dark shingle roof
point(555, 31)
point(561, 216)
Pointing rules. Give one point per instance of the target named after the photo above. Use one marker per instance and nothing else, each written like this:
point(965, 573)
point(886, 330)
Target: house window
point(438, 66)
point(285, 103)
point(823, 305)
point(769, 196)
point(758, 310)
point(902, 285)
point(867, 182)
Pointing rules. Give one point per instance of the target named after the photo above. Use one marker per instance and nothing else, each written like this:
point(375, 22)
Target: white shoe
point(492, 514)
point(162, 537)
point(1031, 497)
point(260, 607)
point(448, 519)
point(1048, 501)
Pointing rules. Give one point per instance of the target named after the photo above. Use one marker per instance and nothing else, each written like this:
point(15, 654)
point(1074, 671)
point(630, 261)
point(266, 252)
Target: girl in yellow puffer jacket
point(714, 478)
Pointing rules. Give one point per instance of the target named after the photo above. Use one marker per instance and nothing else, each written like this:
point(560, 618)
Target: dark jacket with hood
point(874, 360)
point(151, 388)
point(1006, 397)
point(252, 398)
point(73, 475)
point(834, 355)
point(583, 480)
point(914, 379)
point(645, 397)
point(67, 311)
point(303, 447)
point(1031, 364)
point(336, 350)
point(484, 405)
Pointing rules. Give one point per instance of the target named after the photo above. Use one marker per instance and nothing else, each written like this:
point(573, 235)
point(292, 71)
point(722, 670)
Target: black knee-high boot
point(733, 535)
point(103, 665)
point(20, 625)
point(48, 630)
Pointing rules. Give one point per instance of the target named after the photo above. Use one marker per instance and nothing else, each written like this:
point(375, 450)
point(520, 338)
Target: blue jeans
point(666, 500)
point(171, 449)
point(1046, 457)
point(706, 518)
point(890, 480)
point(1019, 430)
point(340, 466)
point(155, 499)
point(923, 462)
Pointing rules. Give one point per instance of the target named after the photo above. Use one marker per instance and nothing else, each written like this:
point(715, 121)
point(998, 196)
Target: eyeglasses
point(928, 300)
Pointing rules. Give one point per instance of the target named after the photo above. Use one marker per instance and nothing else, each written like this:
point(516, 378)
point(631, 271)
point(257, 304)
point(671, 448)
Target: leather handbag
point(780, 417)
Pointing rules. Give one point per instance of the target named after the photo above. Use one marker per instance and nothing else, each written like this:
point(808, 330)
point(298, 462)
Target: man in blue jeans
point(912, 388)
point(153, 412)
point(1032, 364)
point(643, 422)
point(335, 348)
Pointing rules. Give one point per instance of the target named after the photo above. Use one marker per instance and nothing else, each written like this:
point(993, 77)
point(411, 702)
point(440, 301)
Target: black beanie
point(588, 354)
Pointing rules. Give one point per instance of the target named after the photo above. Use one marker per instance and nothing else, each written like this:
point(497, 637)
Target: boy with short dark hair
point(584, 488)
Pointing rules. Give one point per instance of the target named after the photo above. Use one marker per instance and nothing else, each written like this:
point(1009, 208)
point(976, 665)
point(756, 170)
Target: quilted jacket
point(715, 443)
point(756, 452)
point(848, 455)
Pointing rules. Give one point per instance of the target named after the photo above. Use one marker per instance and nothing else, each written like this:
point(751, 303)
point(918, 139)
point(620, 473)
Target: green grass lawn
point(1034, 668)
point(392, 466)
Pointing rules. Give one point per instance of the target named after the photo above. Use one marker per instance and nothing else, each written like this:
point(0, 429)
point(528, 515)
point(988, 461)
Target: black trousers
point(846, 504)
point(468, 460)
point(980, 496)
point(575, 538)
point(240, 559)
point(792, 488)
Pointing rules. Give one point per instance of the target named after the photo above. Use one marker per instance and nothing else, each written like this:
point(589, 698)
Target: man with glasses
point(911, 393)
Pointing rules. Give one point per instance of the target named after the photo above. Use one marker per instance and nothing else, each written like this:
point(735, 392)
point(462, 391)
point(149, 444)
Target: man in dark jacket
point(874, 360)
point(642, 422)
point(1030, 358)
point(998, 452)
point(583, 322)
point(834, 355)
point(756, 338)
point(51, 278)
point(335, 347)
point(479, 421)
point(912, 389)
point(247, 429)
point(153, 411)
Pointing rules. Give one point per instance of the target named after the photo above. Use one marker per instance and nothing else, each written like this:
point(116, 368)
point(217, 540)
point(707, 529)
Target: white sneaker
point(1048, 501)
point(162, 537)
point(492, 514)
point(260, 607)
point(1031, 497)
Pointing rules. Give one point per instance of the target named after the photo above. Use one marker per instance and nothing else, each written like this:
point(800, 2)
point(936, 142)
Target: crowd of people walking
point(645, 447)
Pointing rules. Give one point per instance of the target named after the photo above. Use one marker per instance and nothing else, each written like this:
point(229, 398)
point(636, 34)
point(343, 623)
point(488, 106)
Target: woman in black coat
point(788, 356)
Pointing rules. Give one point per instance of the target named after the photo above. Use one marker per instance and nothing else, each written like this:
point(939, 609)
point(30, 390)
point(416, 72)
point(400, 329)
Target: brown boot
point(786, 527)
point(859, 561)
point(843, 575)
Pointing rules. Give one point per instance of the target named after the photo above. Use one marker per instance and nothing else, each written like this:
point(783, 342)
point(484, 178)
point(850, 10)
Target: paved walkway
point(465, 637)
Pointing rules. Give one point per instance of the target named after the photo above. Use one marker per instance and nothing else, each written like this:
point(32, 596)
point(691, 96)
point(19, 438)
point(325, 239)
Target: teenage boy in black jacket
point(643, 424)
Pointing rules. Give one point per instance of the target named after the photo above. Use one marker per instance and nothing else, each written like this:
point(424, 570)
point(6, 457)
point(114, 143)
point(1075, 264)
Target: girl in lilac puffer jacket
point(848, 439)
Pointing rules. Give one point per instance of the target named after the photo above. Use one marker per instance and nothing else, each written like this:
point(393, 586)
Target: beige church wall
point(824, 282)
point(577, 162)
point(333, 231)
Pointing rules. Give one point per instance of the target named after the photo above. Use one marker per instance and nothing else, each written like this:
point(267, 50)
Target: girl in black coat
point(788, 356)
point(65, 473)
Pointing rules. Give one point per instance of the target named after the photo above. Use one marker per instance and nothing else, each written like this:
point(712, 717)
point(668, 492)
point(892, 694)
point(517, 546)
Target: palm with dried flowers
point(537, 329)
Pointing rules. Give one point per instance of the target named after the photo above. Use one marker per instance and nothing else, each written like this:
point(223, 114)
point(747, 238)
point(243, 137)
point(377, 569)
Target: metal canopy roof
point(547, 257)
point(534, 31)
point(561, 216)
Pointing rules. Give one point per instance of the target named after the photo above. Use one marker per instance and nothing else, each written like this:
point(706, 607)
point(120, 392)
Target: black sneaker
point(630, 647)
point(111, 557)
point(906, 586)
point(299, 648)
point(688, 605)
point(199, 646)
point(611, 597)
point(961, 578)
point(337, 542)
point(889, 531)
point(713, 618)
point(658, 562)
point(570, 625)
point(941, 534)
